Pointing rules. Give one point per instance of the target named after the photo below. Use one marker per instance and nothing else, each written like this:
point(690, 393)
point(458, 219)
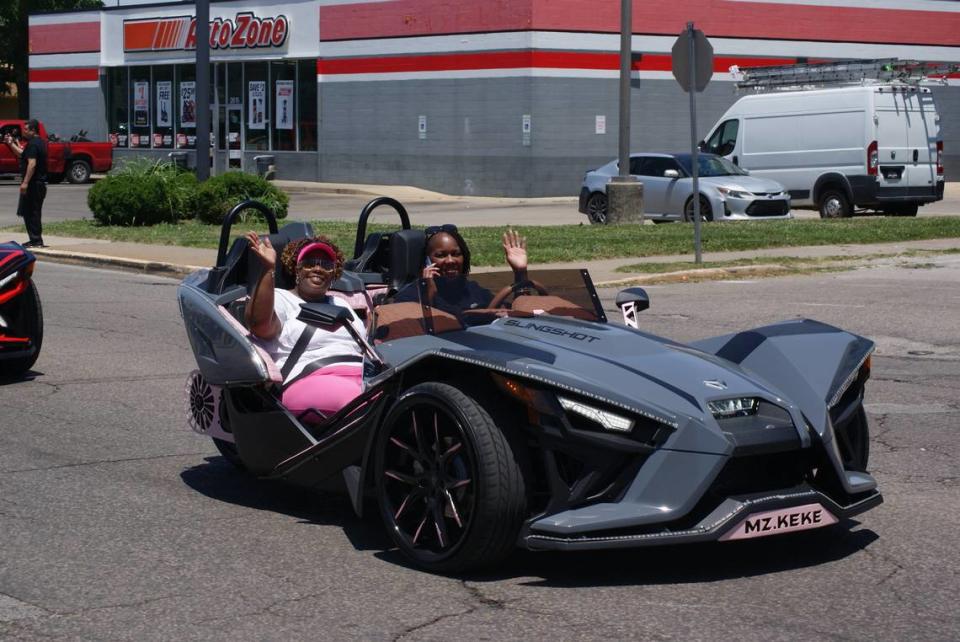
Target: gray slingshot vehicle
point(538, 424)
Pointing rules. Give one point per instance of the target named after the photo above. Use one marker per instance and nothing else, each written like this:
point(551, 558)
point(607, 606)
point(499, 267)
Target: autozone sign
point(245, 31)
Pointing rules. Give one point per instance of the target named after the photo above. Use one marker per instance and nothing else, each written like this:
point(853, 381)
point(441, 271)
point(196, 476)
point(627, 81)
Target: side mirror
point(671, 173)
point(702, 146)
point(323, 315)
point(631, 301)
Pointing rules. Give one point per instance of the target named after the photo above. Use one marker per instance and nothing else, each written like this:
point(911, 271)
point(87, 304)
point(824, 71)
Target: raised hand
point(263, 249)
point(515, 249)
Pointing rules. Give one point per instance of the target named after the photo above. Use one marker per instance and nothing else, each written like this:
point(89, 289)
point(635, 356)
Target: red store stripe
point(64, 75)
point(78, 37)
point(717, 18)
point(520, 60)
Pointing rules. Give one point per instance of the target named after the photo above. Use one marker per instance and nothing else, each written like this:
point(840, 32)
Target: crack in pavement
point(100, 461)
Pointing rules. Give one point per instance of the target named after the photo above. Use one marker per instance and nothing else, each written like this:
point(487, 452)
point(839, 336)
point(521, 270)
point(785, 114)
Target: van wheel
point(834, 204)
point(78, 172)
point(706, 212)
point(597, 208)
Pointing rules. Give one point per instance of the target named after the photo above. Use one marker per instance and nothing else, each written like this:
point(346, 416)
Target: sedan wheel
point(597, 208)
point(706, 212)
point(450, 491)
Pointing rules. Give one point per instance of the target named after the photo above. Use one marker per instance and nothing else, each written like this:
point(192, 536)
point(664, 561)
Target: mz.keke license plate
point(784, 520)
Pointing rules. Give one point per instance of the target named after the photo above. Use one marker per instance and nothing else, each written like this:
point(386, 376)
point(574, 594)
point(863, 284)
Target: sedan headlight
point(607, 419)
point(734, 193)
point(736, 407)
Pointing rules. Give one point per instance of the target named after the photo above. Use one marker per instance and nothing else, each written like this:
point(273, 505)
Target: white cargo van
point(866, 146)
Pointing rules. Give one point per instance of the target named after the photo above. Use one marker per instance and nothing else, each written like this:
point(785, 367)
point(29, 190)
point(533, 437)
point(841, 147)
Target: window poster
point(188, 103)
point(257, 91)
point(164, 103)
point(284, 104)
point(141, 104)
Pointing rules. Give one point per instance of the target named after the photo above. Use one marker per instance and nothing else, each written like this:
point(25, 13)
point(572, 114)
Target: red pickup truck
point(74, 161)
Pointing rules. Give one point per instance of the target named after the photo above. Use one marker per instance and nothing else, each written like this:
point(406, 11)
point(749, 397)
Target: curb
point(701, 274)
point(158, 268)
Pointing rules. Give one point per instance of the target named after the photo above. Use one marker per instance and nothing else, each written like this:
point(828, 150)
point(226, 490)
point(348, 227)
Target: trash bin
point(179, 159)
point(265, 166)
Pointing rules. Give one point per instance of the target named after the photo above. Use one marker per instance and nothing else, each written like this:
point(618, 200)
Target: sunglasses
point(436, 229)
point(313, 262)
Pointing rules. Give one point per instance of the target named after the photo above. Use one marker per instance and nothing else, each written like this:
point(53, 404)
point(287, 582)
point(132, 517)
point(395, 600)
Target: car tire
point(229, 452)
point(834, 204)
point(597, 208)
point(78, 171)
point(706, 212)
point(448, 484)
point(30, 320)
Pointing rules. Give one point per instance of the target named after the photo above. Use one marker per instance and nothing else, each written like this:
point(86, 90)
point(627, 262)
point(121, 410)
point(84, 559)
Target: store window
point(118, 99)
point(163, 132)
point(256, 80)
point(283, 75)
point(186, 106)
point(140, 93)
point(307, 102)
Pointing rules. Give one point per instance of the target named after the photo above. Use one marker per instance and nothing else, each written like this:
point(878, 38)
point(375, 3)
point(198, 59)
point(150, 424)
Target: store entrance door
point(234, 120)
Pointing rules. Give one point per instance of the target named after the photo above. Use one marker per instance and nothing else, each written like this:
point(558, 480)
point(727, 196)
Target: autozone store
point(493, 97)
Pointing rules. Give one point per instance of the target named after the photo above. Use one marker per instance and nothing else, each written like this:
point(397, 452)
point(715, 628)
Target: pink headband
point(317, 246)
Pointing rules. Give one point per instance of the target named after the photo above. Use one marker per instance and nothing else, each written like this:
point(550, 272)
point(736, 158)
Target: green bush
point(143, 192)
point(217, 196)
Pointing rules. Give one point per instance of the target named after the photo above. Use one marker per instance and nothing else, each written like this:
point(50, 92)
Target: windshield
point(710, 165)
point(453, 304)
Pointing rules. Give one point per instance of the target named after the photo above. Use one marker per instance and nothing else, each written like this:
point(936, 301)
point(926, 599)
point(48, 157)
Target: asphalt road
point(118, 523)
point(68, 202)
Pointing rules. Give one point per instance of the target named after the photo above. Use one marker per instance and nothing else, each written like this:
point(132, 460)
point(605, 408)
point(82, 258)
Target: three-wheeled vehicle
point(538, 423)
point(21, 315)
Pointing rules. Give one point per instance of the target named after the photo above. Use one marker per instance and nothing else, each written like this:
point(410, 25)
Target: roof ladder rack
point(805, 75)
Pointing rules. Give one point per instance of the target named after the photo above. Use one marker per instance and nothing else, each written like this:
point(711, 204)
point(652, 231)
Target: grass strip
point(579, 242)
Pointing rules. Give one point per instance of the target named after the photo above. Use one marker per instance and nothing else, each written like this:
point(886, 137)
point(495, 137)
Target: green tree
point(14, 41)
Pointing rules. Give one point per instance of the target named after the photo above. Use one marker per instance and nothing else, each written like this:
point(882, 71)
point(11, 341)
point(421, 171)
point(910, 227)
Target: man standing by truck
point(33, 179)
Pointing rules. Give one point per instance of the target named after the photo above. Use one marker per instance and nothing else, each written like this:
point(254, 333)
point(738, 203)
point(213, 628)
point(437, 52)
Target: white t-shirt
point(324, 344)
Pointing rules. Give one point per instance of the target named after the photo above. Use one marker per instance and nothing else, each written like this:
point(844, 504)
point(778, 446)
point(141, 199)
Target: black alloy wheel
point(706, 212)
point(597, 208)
point(450, 490)
point(26, 321)
point(835, 204)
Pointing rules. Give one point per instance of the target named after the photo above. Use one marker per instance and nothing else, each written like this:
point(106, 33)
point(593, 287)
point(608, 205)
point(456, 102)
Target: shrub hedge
point(217, 196)
point(143, 192)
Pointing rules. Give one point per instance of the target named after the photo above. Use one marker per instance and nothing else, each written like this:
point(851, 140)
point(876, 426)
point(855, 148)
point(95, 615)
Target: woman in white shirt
point(329, 372)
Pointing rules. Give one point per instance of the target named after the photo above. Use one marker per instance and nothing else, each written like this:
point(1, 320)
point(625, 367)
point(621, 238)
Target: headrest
point(407, 249)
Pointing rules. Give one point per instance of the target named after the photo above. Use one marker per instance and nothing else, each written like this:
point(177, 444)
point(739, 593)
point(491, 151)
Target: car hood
point(655, 377)
point(753, 184)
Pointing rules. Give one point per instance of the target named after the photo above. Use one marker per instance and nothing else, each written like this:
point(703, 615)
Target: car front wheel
point(706, 212)
point(597, 208)
point(449, 487)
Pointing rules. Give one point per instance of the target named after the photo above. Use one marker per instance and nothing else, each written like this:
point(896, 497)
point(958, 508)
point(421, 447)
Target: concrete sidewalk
point(175, 261)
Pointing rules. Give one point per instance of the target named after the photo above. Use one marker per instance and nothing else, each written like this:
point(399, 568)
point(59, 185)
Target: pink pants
point(326, 390)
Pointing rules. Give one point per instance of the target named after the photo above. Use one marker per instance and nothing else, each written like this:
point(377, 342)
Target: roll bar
point(233, 214)
point(365, 214)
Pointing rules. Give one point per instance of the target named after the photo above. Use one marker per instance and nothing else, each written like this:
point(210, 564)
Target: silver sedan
point(727, 192)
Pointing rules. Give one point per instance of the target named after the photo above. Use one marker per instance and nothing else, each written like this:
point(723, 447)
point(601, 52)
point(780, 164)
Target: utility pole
point(203, 90)
point(624, 193)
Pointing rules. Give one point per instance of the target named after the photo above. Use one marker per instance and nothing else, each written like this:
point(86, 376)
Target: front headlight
point(734, 193)
point(607, 419)
point(736, 407)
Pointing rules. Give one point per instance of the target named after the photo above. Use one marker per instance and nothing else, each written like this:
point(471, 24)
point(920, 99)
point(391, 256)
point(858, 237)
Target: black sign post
point(203, 90)
point(692, 57)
